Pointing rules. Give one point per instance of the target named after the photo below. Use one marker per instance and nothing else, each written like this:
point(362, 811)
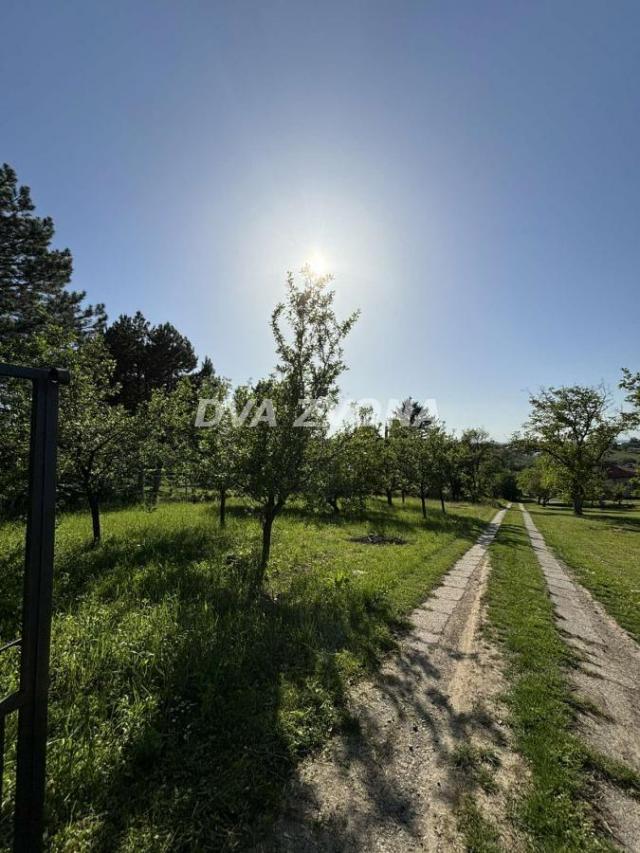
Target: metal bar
point(35, 374)
point(36, 622)
point(10, 703)
point(10, 645)
point(1, 756)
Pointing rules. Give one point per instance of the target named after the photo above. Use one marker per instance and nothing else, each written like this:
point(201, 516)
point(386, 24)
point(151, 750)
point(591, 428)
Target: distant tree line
point(127, 421)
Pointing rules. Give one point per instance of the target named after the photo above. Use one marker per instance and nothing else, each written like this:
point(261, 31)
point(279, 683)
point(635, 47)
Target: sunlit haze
point(468, 173)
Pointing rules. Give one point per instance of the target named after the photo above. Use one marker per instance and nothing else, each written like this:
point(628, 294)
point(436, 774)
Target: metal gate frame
point(30, 700)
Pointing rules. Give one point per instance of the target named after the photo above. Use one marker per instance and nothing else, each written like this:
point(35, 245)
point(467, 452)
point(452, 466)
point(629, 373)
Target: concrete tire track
point(608, 675)
point(392, 786)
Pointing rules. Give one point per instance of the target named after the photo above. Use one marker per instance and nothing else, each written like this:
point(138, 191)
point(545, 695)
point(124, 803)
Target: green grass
point(603, 550)
point(554, 812)
point(180, 701)
point(479, 833)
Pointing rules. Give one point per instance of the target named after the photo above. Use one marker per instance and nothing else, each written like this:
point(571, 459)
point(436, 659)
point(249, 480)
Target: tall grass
point(180, 698)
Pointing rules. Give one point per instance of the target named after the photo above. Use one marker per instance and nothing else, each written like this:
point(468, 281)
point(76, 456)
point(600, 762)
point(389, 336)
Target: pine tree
point(34, 277)
point(147, 358)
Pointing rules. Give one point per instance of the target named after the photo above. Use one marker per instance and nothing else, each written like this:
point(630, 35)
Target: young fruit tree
point(217, 443)
point(409, 420)
point(272, 445)
point(477, 462)
point(539, 480)
point(345, 465)
point(94, 436)
point(437, 450)
point(166, 437)
point(574, 428)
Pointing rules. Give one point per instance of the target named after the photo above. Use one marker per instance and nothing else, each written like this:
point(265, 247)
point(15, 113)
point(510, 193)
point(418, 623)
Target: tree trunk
point(94, 506)
point(423, 502)
point(333, 503)
point(403, 495)
point(267, 525)
point(442, 506)
point(141, 485)
point(389, 497)
point(155, 485)
point(578, 503)
point(223, 506)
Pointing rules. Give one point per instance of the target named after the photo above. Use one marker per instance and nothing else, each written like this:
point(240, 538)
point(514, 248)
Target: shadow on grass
point(631, 524)
point(200, 733)
point(625, 517)
point(248, 686)
point(377, 513)
point(106, 568)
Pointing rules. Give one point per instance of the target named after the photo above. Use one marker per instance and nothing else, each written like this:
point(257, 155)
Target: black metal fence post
point(31, 699)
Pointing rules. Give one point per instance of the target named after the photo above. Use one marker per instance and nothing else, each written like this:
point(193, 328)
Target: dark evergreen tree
point(41, 320)
point(207, 374)
point(34, 278)
point(170, 357)
point(412, 413)
point(147, 358)
point(127, 341)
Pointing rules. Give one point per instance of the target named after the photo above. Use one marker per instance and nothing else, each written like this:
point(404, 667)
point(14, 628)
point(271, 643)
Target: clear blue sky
point(470, 171)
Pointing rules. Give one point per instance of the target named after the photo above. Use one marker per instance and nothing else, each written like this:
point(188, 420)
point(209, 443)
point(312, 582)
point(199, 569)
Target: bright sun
point(317, 262)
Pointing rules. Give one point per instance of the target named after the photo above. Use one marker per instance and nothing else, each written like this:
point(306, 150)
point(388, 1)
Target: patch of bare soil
point(608, 677)
point(396, 784)
point(378, 539)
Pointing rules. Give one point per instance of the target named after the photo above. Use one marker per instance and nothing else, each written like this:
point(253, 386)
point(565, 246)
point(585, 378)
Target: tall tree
point(575, 428)
point(41, 321)
point(147, 358)
point(631, 383)
point(273, 459)
point(414, 414)
point(127, 341)
point(170, 357)
point(150, 364)
point(34, 277)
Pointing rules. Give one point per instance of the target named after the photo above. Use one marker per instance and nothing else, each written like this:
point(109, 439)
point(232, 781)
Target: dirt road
point(394, 785)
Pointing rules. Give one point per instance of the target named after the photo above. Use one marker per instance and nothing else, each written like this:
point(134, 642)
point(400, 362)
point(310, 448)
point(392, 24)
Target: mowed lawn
point(603, 549)
point(179, 701)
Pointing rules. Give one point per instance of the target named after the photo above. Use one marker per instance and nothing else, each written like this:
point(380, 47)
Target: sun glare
point(317, 263)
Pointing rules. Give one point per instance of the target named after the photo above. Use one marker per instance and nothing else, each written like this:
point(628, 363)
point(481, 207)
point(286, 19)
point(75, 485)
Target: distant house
point(620, 481)
point(618, 474)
